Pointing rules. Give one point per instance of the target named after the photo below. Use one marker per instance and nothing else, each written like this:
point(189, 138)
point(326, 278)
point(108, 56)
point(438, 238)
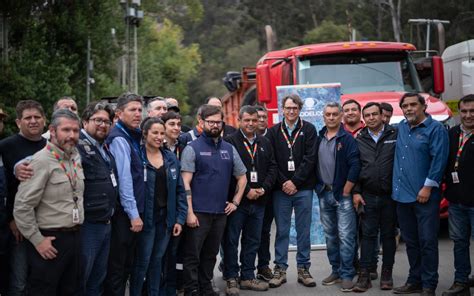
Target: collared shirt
point(376, 137)
point(252, 140)
point(327, 159)
point(46, 200)
point(100, 146)
point(421, 155)
point(291, 129)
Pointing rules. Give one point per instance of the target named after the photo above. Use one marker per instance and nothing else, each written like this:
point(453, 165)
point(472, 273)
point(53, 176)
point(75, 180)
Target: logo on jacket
point(339, 146)
point(225, 154)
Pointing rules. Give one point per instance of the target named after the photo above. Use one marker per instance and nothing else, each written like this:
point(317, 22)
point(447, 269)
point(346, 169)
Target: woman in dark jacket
point(165, 208)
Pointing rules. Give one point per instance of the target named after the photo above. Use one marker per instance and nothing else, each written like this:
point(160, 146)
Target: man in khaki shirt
point(49, 210)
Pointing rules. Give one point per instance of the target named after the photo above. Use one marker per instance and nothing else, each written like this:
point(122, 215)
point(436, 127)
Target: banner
point(315, 97)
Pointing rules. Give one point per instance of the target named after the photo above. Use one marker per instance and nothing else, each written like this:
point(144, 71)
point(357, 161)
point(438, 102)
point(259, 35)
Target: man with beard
point(421, 155)
point(100, 195)
point(208, 164)
point(30, 120)
point(49, 210)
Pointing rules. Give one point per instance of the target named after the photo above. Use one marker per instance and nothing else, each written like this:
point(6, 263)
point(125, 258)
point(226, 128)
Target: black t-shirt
point(161, 190)
point(12, 150)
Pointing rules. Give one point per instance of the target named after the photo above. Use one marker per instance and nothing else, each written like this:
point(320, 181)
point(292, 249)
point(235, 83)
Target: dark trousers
point(61, 275)
point(247, 219)
point(380, 214)
point(202, 247)
point(122, 252)
point(264, 256)
point(170, 274)
point(419, 225)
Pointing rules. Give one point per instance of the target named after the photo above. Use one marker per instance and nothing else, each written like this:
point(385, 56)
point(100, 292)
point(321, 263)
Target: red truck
point(368, 71)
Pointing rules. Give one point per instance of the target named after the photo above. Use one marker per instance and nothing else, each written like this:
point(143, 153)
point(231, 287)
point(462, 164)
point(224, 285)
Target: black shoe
point(363, 282)
point(408, 289)
point(428, 292)
point(457, 289)
point(386, 280)
point(471, 281)
point(192, 293)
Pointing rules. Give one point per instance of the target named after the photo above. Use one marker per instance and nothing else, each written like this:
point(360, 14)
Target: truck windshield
point(361, 72)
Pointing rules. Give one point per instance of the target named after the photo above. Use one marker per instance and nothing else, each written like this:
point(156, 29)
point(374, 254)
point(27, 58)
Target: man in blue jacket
point(421, 155)
point(337, 172)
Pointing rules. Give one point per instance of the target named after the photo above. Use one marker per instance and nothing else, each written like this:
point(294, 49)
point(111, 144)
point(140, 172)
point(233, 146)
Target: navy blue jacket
point(347, 161)
point(177, 205)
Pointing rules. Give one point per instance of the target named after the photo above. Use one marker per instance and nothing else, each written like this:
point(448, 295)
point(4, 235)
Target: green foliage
point(326, 32)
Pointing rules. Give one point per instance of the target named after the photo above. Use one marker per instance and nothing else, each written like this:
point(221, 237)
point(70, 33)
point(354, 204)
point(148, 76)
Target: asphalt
point(320, 268)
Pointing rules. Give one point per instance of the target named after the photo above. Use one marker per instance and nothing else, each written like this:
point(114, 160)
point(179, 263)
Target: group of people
point(111, 198)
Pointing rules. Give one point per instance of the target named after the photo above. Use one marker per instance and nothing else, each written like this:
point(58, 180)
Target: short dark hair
point(96, 106)
point(63, 113)
point(68, 98)
point(295, 98)
point(209, 110)
point(371, 104)
point(386, 107)
point(261, 108)
point(420, 98)
point(352, 101)
point(148, 122)
point(247, 109)
point(27, 104)
point(126, 98)
point(170, 115)
point(466, 99)
point(206, 101)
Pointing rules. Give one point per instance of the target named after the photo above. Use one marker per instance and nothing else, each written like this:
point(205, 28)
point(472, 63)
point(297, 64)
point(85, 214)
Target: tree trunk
point(395, 19)
point(379, 19)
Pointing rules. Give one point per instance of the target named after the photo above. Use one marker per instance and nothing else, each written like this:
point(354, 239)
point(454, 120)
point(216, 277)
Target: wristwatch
point(235, 203)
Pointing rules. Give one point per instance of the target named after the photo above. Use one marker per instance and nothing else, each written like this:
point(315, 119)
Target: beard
point(213, 133)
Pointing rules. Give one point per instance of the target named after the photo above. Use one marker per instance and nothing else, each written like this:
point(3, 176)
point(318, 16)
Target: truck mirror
point(263, 84)
point(437, 74)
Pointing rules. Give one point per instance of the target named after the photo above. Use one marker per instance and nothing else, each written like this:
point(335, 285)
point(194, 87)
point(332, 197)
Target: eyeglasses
point(214, 123)
point(99, 122)
point(291, 109)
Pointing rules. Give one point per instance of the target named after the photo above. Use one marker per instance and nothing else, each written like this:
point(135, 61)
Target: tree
point(327, 32)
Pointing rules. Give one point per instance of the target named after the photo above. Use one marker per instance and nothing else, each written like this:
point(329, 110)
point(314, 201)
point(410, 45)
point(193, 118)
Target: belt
point(63, 229)
point(327, 187)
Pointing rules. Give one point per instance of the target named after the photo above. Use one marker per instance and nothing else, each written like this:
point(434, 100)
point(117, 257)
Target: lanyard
point(252, 154)
point(72, 179)
point(292, 142)
point(462, 141)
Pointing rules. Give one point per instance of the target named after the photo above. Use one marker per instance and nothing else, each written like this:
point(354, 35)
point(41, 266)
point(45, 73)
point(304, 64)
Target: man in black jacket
point(460, 193)
point(372, 195)
point(293, 141)
point(257, 154)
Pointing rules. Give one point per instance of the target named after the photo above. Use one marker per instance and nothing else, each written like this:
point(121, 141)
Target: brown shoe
point(331, 280)
point(386, 280)
point(408, 289)
point(265, 274)
point(363, 282)
point(279, 278)
point(254, 285)
point(232, 288)
point(305, 278)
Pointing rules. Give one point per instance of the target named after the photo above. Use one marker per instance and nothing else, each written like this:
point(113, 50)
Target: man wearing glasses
point(100, 195)
point(208, 163)
point(293, 141)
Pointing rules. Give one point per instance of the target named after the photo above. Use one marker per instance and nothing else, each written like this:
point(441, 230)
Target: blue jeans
point(283, 206)
point(461, 224)
point(338, 218)
point(419, 225)
point(151, 248)
point(18, 267)
point(264, 249)
point(247, 219)
point(95, 245)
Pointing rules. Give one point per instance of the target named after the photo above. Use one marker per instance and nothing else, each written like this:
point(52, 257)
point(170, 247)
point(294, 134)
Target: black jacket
point(462, 192)
point(265, 165)
point(376, 162)
point(304, 155)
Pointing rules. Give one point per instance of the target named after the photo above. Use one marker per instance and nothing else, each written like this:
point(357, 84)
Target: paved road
point(320, 269)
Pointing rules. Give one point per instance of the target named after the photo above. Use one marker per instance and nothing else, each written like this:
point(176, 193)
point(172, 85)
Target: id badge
point(114, 181)
point(144, 174)
point(75, 216)
point(455, 177)
point(253, 177)
point(291, 166)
